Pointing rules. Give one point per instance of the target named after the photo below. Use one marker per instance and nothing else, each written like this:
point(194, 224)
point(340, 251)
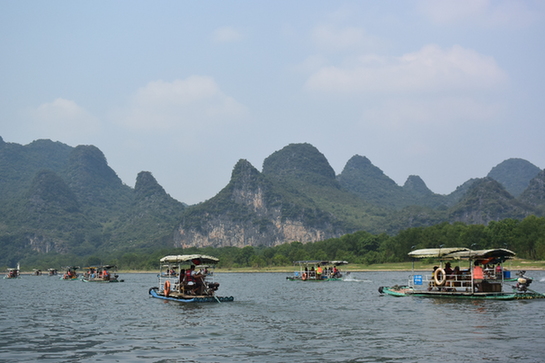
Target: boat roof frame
point(462, 253)
point(320, 262)
point(180, 259)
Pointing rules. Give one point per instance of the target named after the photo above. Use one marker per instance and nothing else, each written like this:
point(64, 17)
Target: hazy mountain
point(367, 181)
point(514, 175)
point(487, 200)
point(289, 201)
point(534, 195)
point(54, 197)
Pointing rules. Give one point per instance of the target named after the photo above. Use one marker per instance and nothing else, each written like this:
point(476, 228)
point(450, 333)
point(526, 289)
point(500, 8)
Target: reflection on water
point(271, 320)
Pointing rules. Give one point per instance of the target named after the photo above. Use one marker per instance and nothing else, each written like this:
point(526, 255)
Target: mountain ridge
point(296, 197)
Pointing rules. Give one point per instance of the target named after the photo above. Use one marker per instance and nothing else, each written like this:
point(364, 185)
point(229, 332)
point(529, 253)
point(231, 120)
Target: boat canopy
point(436, 252)
point(462, 253)
point(194, 259)
point(498, 253)
point(320, 262)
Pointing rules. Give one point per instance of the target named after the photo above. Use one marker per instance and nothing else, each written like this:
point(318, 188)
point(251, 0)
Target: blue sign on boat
point(417, 279)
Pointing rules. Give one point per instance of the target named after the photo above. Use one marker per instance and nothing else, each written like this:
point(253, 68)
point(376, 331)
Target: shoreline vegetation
point(513, 265)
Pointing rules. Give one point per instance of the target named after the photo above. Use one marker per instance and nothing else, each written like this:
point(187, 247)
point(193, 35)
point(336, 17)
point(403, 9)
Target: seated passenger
point(448, 269)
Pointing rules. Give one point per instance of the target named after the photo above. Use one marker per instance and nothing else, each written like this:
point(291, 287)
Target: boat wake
point(542, 279)
point(351, 279)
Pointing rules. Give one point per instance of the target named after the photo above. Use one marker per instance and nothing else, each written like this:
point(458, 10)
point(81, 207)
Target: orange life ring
point(440, 281)
point(304, 276)
point(166, 289)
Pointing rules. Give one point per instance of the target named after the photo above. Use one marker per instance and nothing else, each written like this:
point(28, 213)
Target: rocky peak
point(146, 186)
point(416, 186)
point(245, 175)
point(300, 162)
point(514, 174)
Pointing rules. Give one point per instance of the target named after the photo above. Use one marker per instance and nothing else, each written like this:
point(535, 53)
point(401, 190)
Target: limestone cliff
point(251, 210)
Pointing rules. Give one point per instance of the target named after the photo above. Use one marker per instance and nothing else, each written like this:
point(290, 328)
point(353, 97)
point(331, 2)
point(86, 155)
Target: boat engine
point(523, 281)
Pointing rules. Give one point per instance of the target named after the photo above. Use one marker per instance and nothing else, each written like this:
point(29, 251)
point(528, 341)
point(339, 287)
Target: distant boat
point(70, 274)
point(318, 270)
point(52, 272)
point(37, 272)
point(13, 273)
point(103, 273)
point(179, 280)
point(483, 279)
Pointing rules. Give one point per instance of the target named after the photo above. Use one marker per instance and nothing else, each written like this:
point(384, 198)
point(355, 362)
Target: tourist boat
point(37, 272)
point(70, 274)
point(52, 272)
point(103, 273)
point(181, 287)
point(470, 283)
point(13, 273)
point(318, 270)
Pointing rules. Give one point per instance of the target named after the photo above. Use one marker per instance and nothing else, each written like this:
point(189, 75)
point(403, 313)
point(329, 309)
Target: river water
point(271, 320)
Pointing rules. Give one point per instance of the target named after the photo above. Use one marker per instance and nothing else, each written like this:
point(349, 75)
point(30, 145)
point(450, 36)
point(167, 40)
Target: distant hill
point(57, 198)
point(514, 175)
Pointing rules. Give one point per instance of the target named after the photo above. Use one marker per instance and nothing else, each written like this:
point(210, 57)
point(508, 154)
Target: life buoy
point(166, 289)
point(439, 280)
point(304, 276)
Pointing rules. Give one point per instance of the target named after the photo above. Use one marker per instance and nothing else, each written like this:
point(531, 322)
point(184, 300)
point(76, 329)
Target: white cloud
point(332, 38)
point(481, 12)
point(191, 104)
point(406, 113)
point(430, 69)
point(64, 120)
point(226, 35)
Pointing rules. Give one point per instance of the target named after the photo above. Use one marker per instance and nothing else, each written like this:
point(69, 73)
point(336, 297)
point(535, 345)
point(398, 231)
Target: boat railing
point(459, 282)
point(174, 280)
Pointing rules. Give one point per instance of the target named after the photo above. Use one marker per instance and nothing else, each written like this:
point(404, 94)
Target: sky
point(445, 90)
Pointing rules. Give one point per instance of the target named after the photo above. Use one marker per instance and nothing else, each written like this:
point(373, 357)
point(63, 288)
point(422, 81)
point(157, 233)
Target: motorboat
point(483, 276)
point(317, 270)
point(70, 274)
point(102, 273)
point(13, 273)
point(187, 279)
point(52, 272)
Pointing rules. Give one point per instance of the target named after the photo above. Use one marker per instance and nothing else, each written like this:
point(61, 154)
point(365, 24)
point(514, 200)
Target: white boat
point(317, 270)
point(187, 279)
point(482, 278)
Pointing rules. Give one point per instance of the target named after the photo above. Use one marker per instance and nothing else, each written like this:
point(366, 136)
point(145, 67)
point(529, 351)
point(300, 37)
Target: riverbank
point(516, 264)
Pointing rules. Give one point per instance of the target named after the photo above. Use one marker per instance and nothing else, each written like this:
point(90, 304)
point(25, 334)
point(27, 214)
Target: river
point(271, 320)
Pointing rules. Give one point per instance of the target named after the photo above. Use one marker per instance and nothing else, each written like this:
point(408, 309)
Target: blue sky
point(441, 89)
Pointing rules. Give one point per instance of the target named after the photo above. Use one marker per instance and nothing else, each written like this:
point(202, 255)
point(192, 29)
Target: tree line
point(525, 237)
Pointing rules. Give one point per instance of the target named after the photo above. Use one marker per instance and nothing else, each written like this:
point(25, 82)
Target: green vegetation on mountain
point(525, 237)
point(59, 199)
point(514, 174)
point(60, 203)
